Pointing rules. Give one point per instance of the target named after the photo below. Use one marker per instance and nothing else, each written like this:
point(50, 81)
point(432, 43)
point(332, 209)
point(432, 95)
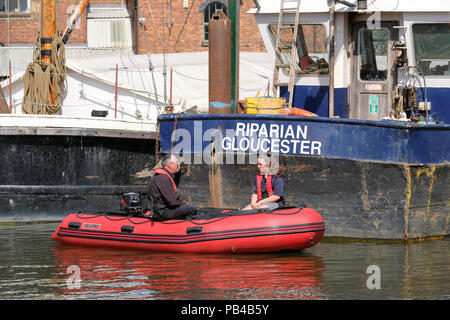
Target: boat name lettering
point(91, 226)
point(273, 130)
point(274, 138)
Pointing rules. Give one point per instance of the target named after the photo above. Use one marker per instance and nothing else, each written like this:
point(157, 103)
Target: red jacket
point(259, 179)
point(162, 171)
point(163, 191)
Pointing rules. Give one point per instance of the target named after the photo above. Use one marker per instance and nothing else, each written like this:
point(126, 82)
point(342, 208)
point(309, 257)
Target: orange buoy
point(297, 112)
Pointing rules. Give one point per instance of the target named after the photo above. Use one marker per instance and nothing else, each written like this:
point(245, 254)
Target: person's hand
point(254, 205)
point(257, 205)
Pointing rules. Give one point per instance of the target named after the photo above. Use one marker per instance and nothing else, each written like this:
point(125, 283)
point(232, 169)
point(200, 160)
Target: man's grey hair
point(166, 160)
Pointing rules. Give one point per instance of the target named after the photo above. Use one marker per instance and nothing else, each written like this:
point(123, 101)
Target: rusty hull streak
point(430, 173)
point(407, 174)
point(300, 168)
point(364, 192)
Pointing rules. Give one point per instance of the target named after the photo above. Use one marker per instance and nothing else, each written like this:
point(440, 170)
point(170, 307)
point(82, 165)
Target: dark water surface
point(32, 266)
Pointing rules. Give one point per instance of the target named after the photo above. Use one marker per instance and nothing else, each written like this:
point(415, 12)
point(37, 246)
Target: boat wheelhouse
point(390, 57)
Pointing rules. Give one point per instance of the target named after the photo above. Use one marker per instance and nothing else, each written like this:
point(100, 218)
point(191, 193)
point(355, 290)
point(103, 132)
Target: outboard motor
point(132, 204)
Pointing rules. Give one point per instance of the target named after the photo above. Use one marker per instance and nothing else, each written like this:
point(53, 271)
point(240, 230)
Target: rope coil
point(40, 87)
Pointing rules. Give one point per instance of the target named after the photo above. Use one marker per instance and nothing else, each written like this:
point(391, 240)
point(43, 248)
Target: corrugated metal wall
point(109, 33)
point(108, 27)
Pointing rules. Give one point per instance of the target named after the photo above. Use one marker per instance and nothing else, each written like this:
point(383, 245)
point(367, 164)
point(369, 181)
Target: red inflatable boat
point(224, 231)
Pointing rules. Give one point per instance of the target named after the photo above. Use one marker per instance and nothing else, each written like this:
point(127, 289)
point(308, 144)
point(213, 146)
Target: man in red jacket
point(166, 202)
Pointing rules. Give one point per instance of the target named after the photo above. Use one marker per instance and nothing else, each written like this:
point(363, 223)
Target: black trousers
point(181, 212)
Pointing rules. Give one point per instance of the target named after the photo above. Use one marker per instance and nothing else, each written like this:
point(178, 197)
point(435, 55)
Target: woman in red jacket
point(269, 188)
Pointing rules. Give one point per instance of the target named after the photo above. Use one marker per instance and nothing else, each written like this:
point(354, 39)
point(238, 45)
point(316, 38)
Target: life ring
point(297, 112)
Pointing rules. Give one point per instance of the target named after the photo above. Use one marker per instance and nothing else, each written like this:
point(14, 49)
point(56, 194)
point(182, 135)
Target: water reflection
point(32, 266)
point(143, 275)
point(426, 267)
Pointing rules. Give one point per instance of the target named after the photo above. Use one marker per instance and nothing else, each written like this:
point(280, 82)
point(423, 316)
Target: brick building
point(143, 26)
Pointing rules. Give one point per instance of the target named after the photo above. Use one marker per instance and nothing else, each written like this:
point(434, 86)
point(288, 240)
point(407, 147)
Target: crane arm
point(73, 19)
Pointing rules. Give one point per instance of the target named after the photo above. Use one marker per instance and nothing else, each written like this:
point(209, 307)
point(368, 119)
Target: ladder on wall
point(283, 45)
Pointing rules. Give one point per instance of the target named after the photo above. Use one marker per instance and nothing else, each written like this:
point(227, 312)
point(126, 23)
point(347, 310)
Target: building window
point(14, 6)
point(373, 53)
point(209, 8)
point(432, 48)
point(312, 53)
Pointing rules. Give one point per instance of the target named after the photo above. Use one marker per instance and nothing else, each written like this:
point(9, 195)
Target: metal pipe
point(115, 96)
point(169, 23)
point(348, 4)
point(219, 64)
point(171, 77)
point(10, 88)
point(233, 15)
point(425, 91)
point(331, 62)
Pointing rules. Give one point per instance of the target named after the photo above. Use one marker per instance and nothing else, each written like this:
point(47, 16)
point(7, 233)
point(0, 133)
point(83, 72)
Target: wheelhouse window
point(373, 54)
point(432, 48)
point(312, 54)
point(14, 6)
point(209, 10)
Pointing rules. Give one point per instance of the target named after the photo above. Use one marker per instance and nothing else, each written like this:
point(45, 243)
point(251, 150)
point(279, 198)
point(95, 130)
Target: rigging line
point(164, 53)
point(184, 24)
point(161, 40)
point(187, 76)
point(150, 64)
point(154, 23)
point(199, 79)
point(130, 79)
point(8, 27)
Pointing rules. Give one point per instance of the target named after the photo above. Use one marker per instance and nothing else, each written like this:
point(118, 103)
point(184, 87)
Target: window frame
point(7, 11)
point(272, 38)
point(205, 41)
point(414, 51)
point(387, 57)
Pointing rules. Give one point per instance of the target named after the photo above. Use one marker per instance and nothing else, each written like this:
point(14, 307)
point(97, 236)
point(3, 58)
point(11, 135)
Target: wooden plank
point(110, 133)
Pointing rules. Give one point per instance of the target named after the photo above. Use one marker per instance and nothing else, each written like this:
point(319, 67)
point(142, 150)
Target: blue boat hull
point(373, 180)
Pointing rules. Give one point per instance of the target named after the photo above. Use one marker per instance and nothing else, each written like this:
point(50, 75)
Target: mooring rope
point(41, 81)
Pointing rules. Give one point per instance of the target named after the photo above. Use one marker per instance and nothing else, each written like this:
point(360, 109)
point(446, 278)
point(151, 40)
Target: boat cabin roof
point(314, 6)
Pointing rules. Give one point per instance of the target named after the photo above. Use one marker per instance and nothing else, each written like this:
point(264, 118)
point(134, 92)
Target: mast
point(48, 29)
